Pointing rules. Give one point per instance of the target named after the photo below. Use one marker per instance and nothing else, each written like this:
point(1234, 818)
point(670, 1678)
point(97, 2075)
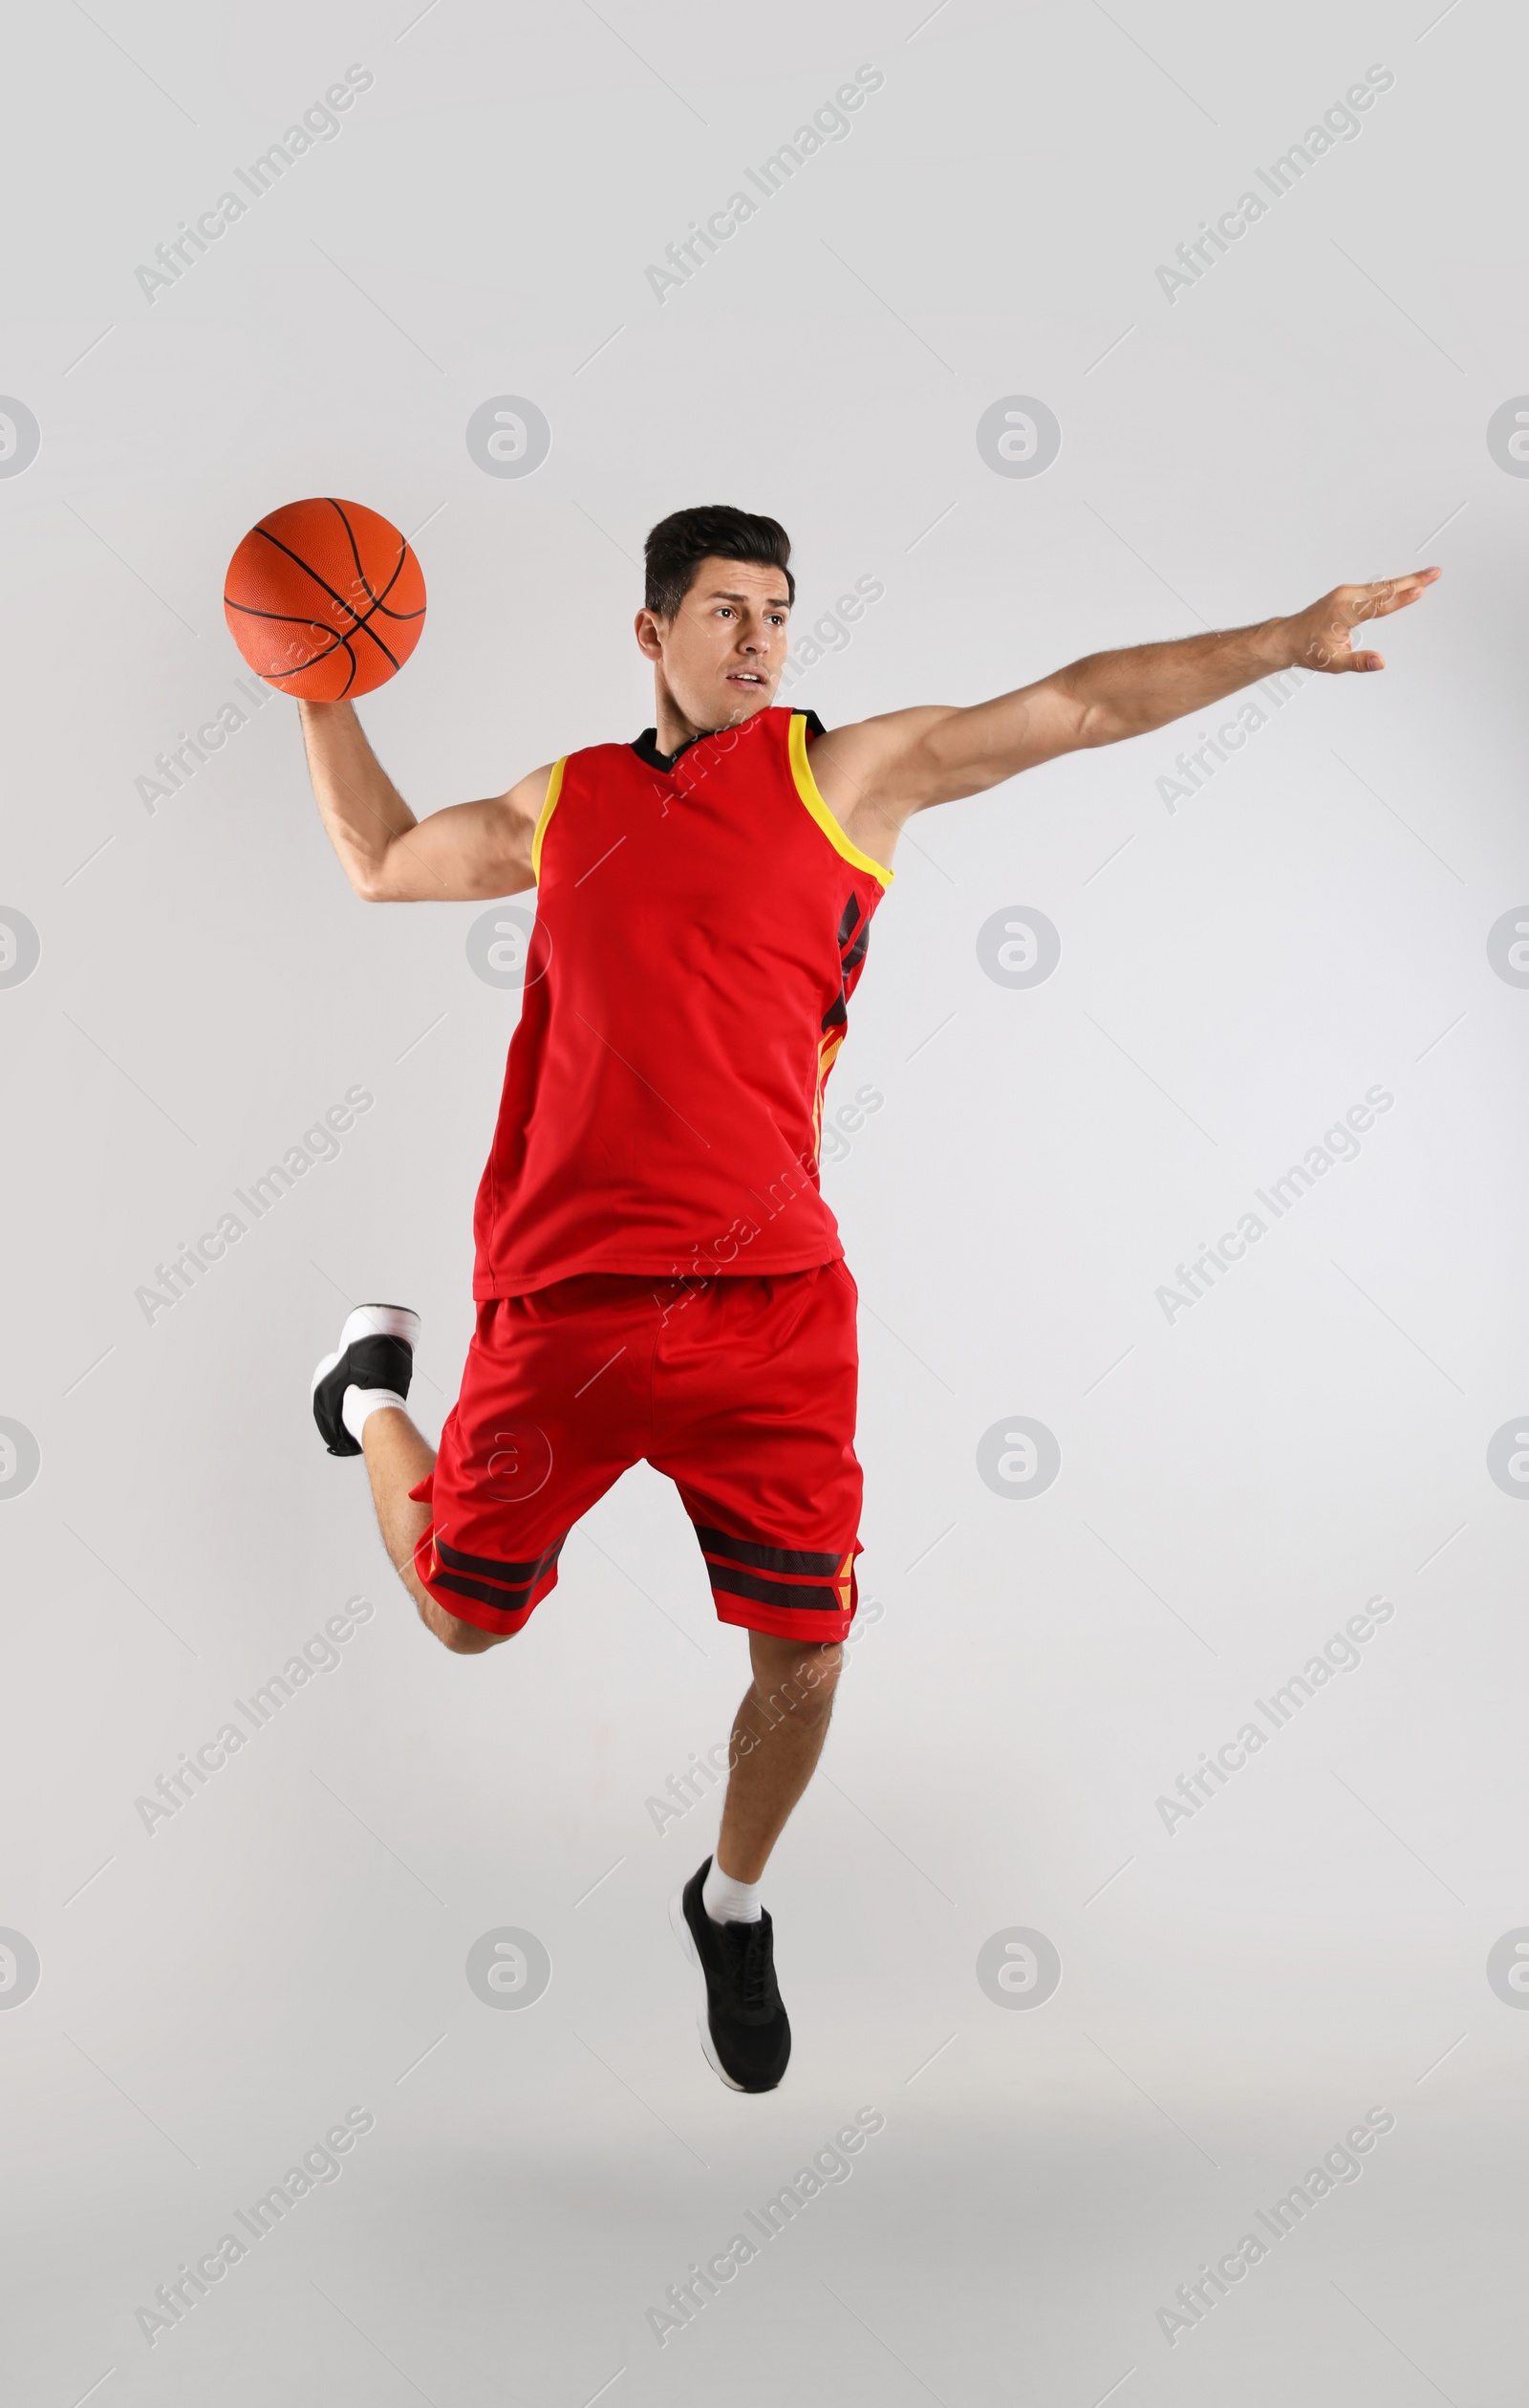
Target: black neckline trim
point(646, 745)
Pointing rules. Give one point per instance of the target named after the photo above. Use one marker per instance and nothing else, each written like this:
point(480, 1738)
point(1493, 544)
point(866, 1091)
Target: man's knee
point(459, 1637)
point(795, 1676)
point(466, 1639)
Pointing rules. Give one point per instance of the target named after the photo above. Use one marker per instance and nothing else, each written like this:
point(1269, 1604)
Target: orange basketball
point(325, 599)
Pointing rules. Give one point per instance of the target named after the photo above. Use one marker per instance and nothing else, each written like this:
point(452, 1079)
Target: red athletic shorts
point(742, 1390)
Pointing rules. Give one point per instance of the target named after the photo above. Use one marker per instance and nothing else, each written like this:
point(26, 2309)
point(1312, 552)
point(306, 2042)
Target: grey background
point(1234, 975)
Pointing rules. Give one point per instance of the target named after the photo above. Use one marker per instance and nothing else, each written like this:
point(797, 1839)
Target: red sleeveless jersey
point(701, 925)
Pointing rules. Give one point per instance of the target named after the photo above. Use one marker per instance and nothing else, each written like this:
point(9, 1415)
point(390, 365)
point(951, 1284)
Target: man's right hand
point(1322, 638)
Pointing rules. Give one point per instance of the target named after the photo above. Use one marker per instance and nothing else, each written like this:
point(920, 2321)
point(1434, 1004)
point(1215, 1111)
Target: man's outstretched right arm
point(467, 853)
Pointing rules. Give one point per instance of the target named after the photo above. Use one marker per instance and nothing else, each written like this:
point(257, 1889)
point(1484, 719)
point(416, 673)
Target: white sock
point(358, 1402)
point(729, 1901)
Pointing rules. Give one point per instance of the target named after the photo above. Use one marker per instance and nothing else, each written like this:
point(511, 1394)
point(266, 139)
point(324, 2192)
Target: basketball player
point(657, 1274)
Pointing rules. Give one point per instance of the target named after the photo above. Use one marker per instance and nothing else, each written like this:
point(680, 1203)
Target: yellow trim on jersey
point(807, 788)
point(828, 1055)
point(554, 788)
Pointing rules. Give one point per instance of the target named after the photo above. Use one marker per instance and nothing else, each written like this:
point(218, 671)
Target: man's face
point(721, 654)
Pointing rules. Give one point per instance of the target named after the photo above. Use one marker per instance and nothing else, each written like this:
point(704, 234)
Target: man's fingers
point(1398, 592)
point(1332, 621)
point(1336, 657)
point(1360, 602)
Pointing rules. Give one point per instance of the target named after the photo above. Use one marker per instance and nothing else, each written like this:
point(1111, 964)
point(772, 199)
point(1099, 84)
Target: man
point(657, 1274)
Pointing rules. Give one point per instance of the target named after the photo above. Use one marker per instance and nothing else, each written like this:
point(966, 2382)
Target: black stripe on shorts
point(745, 1550)
point(503, 1600)
point(790, 1597)
point(495, 1568)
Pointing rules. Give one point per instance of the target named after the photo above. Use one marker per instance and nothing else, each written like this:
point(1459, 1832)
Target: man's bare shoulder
point(862, 772)
point(867, 743)
point(524, 799)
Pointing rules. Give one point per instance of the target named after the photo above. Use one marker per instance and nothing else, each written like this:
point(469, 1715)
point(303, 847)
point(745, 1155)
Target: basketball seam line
point(376, 599)
point(342, 641)
point(361, 625)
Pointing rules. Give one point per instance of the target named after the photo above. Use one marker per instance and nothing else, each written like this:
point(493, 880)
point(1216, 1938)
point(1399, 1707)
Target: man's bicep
point(969, 750)
point(470, 852)
point(908, 760)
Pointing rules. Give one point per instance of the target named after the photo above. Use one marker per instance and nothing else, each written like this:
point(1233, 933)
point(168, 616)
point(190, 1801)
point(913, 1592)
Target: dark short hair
point(677, 545)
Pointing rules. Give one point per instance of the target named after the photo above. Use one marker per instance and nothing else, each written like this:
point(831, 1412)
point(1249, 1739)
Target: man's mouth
point(744, 677)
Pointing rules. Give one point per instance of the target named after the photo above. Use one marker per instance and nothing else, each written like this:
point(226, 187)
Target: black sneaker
point(744, 2027)
point(376, 1351)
